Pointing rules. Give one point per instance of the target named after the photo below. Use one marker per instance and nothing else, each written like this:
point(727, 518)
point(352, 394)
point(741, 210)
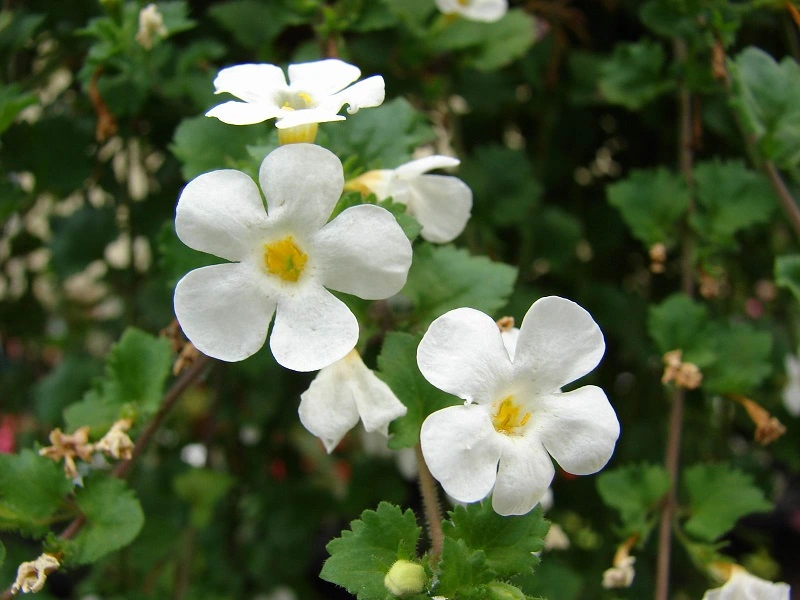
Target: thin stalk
point(784, 195)
point(430, 504)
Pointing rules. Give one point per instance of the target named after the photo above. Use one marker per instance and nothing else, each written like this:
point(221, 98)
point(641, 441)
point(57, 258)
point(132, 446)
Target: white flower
point(620, 575)
point(341, 394)
point(744, 586)
point(285, 258)
point(316, 92)
point(515, 415)
point(475, 10)
point(441, 203)
point(791, 391)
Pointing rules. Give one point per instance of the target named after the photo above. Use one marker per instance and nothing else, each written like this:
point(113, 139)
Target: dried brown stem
point(430, 504)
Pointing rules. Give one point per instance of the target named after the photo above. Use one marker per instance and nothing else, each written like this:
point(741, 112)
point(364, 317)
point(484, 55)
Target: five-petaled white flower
point(341, 394)
point(744, 586)
point(284, 257)
point(475, 10)
point(315, 94)
point(515, 412)
point(441, 203)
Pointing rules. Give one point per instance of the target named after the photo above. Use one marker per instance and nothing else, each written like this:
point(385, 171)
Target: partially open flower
point(441, 203)
point(341, 394)
point(68, 447)
point(515, 416)
point(31, 575)
point(475, 10)
point(285, 258)
point(741, 585)
point(315, 94)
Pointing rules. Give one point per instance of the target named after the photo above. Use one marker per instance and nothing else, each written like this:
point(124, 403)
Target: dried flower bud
point(658, 256)
point(32, 575)
point(67, 447)
point(505, 323)
point(116, 442)
point(768, 428)
point(684, 374)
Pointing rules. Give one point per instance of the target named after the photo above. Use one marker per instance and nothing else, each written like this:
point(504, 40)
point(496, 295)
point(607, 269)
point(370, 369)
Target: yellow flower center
point(507, 416)
point(284, 259)
point(464, 2)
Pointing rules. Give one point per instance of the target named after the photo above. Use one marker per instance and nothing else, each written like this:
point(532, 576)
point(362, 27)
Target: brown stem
point(784, 195)
point(123, 468)
point(672, 454)
point(430, 504)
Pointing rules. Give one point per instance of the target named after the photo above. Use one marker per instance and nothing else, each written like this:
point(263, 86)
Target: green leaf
point(651, 203)
point(461, 569)
point(114, 518)
point(765, 96)
point(730, 198)
point(408, 224)
point(634, 75)
point(95, 412)
point(669, 19)
point(361, 557)
point(64, 385)
point(787, 273)
point(508, 543)
point(636, 492)
point(12, 101)
point(32, 489)
point(136, 369)
point(743, 358)
point(202, 489)
point(718, 497)
point(677, 323)
point(2, 554)
point(442, 278)
point(413, 13)
point(397, 366)
point(254, 24)
point(176, 259)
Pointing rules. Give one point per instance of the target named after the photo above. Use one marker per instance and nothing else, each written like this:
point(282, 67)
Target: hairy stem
point(784, 195)
point(430, 504)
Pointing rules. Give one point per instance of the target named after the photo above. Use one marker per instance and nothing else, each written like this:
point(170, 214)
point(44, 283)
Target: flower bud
point(405, 578)
point(498, 590)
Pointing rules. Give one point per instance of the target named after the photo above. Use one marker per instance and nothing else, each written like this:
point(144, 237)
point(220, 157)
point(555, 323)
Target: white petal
point(486, 10)
point(510, 338)
point(461, 449)
point(221, 213)
point(462, 353)
point(223, 311)
point(744, 586)
point(364, 94)
point(327, 408)
point(302, 183)
point(377, 404)
point(425, 164)
point(307, 115)
point(313, 329)
point(322, 77)
point(252, 82)
point(558, 343)
point(523, 477)
point(441, 204)
point(243, 113)
point(363, 252)
point(449, 6)
point(578, 428)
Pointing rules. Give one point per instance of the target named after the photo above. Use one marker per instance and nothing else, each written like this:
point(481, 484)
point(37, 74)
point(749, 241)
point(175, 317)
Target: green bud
point(497, 590)
point(405, 578)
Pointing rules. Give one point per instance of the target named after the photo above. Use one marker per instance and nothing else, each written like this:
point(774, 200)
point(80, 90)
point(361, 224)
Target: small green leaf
point(32, 489)
point(136, 369)
point(508, 543)
point(636, 492)
point(651, 203)
point(254, 24)
point(397, 365)
point(95, 411)
point(12, 101)
point(361, 557)
point(114, 518)
point(743, 358)
point(461, 569)
point(677, 323)
point(64, 385)
point(202, 489)
point(787, 273)
point(718, 497)
point(444, 277)
point(408, 224)
point(634, 75)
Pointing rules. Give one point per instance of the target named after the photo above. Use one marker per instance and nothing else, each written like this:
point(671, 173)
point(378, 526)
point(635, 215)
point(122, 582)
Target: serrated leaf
point(397, 366)
point(677, 323)
point(634, 75)
point(730, 198)
point(719, 496)
point(114, 518)
point(636, 492)
point(651, 203)
point(32, 489)
point(202, 489)
point(743, 358)
point(669, 19)
point(361, 557)
point(136, 369)
point(93, 411)
point(442, 278)
point(787, 273)
point(765, 96)
point(461, 569)
point(508, 543)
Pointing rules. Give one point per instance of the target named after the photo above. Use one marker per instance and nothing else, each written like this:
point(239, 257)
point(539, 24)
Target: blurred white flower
point(743, 586)
point(475, 10)
point(515, 415)
point(441, 203)
point(791, 391)
point(285, 258)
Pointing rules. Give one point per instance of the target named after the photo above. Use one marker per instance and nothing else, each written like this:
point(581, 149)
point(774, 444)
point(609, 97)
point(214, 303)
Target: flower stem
point(672, 455)
point(430, 504)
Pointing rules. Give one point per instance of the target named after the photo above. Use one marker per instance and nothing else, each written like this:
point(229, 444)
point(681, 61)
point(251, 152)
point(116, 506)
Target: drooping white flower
point(441, 203)
point(744, 586)
point(475, 10)
point(285, 258)
point(791, 391)
point(515, 415)
point(342, 393)
point(315, 93)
